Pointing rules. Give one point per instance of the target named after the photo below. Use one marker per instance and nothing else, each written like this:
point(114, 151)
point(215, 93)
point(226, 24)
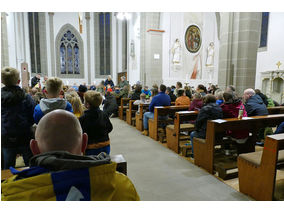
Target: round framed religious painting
point(193, 38)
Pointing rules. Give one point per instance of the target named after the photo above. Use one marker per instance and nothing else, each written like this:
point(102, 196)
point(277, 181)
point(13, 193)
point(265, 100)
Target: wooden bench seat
point(131, 111)
point(173, 132)
point(139, 116)
point(255, 157)
point(257, 170)
point(275, 110)
point(162, 111)
point(122, 108)
point(204, 150)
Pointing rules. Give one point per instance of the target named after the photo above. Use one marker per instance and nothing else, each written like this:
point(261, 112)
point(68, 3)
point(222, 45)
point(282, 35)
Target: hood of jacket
point(12, 95)
point(48, 105)
point(62, 160)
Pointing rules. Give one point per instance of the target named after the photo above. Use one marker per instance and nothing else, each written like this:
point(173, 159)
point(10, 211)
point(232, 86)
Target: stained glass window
point(104, 43)
point(264, 29)
point(34, 42)
point(69, 54)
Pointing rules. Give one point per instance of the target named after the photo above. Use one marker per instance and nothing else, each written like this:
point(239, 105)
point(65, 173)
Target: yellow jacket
point(102, 183)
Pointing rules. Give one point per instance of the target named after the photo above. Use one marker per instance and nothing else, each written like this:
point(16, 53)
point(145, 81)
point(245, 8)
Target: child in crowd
point(77, 105)
point(142, 100)
point(210, 111)
point(196, 103)
point(110, 105)
point(53, 101)
point(146, 91)
point(170, 93)
point(231, 108)
point(16, 119)
point(155, 92)
point(182, 98)
point(96, 124)
point(109, 89)
point(219, 96)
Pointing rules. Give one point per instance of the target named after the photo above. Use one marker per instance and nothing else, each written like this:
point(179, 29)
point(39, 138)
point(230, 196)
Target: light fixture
point(123, 16)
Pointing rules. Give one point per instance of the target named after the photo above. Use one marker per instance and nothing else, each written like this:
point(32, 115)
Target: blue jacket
point(47, 105)
point(147, 92)
point(280, 129)
point(162, 99)
point(255, 106)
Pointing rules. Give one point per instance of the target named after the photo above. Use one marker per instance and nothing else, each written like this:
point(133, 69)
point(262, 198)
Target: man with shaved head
point(59, 170)
point(254, 104)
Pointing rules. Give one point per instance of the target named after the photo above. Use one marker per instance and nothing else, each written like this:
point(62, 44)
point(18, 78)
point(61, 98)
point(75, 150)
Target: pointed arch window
point(70, 59)
point(103, 44)
point(69, 54)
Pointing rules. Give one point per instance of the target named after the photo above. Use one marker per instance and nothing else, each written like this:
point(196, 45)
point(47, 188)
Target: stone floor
point(160, 174)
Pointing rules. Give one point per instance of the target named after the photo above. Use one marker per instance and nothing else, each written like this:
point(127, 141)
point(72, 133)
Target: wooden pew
point(275, 110)
point(161, 111)
point(130, 112)
point(173, 132)
point(122, 108)
point(119, 159)
point(204, 148)
point(139, 116)
point(257, 170)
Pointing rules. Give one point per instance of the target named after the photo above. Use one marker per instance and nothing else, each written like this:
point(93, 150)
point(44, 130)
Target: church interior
point(156, 52)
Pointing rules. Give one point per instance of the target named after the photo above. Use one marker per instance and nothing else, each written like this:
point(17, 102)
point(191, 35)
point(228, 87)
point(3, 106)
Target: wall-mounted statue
point(176, 51)
point(210, 55)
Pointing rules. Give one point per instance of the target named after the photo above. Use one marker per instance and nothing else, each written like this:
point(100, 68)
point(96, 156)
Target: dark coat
point(109, 82)
point(96, 124)
point(264, 98)
point(255, 106)
point(172, 96)
point(135, 95)
point(16, 114)
point(34, 81)
point(110, 105)
point(210, 111)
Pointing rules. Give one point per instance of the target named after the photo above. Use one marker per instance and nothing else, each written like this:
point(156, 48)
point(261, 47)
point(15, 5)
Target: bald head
point(59, 130)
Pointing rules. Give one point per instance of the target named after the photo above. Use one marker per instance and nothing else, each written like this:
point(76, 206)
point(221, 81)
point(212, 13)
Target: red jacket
point(196, 105)
point(231, 110)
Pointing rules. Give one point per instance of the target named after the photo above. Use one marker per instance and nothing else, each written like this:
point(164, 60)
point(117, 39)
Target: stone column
point(148, 21)
point(239, 42)
point(87, 17)
point(4, 41)
point(52, 44)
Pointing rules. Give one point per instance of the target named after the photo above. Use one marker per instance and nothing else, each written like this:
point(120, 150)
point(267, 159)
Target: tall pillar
point(239, 41)
point(87, 16)
point(52, 44)
point(4, 41)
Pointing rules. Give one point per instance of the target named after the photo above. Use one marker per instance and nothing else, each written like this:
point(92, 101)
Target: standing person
point(52, 102)
point(109, 81)
point(162, 99)
point(16, 118)
point(82, 89)
point(59, 171)
point(209, 111)
point(96, 124)
point(182, 98)
point(35, 80)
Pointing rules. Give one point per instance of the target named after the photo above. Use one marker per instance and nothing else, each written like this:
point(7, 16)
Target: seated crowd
point(58, 127)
